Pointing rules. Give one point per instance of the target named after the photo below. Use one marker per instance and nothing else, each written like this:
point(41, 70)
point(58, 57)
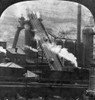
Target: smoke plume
point(62, 52)
point(2, 50)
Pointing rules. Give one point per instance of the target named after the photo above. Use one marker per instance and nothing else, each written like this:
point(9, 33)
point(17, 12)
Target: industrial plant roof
point(10, 65)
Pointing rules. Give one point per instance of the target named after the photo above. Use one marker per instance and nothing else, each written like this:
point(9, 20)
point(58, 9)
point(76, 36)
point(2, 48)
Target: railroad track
point(36, 84)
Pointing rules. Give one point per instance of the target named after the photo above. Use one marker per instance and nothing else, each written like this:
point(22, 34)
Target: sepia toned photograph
point(47, 51)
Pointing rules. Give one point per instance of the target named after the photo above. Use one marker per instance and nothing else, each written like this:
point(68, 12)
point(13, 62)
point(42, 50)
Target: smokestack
point(79, 24)
point(78, 32)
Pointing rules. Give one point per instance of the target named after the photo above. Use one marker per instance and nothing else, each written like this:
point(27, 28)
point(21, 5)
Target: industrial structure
point(48, 74)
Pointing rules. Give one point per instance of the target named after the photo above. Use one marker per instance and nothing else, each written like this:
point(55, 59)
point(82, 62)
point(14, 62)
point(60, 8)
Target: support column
point(88, 46)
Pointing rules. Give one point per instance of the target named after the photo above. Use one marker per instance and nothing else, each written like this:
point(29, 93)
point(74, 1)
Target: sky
point(50, 8)
point(57, 15)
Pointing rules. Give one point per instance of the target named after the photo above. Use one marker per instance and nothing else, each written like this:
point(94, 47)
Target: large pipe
point(91, 88)
point(16, 38)
point(19, 28)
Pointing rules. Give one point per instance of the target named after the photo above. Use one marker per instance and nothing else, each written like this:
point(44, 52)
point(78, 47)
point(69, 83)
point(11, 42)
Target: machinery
point(49, 75)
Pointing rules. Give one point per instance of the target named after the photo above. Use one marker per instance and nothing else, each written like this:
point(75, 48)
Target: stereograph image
point(46, 51)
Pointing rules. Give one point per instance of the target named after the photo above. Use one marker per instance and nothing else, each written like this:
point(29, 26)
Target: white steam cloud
point(62, 52)
point(2, 49)
point(25, 8)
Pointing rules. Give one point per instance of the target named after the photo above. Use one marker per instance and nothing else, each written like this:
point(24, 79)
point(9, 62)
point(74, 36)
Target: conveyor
point(37, 24)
